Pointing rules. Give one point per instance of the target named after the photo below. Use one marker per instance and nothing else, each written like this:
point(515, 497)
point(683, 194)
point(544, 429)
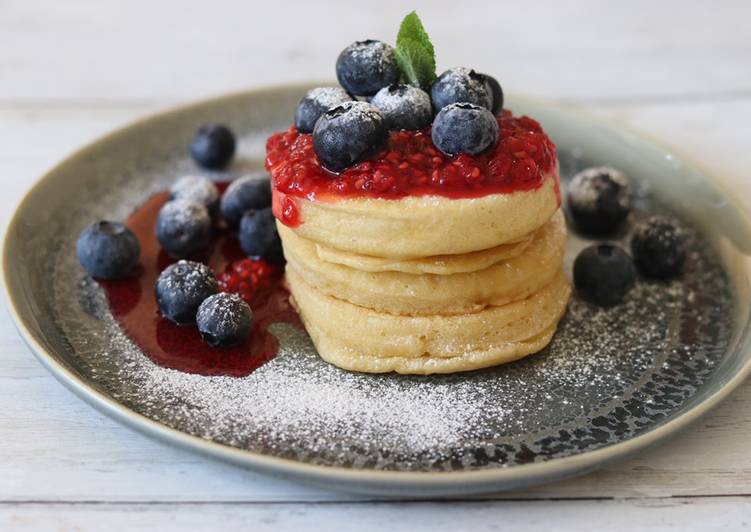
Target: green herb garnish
point(415, 53)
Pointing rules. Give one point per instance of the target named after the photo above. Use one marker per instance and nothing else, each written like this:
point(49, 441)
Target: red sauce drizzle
point(411, 165)
point(133, 304)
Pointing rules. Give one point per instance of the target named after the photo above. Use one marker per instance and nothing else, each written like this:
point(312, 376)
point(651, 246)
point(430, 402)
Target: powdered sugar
point(195, 188)
point(364, 67)
point(461, 85)
point(328, 97)
point(607, 376)
point(355, 112)
point(588, 195)
point(297, 406)
point(404, 106)
point(184, 213)
point(188, 276)
point(223, 315)
point(372, 52)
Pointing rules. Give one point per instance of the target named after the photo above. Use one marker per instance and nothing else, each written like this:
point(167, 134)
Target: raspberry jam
point(411, 165)
point(248, 277)
point(133, 304)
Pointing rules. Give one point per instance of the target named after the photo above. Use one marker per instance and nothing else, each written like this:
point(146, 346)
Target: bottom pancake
point(361, 339)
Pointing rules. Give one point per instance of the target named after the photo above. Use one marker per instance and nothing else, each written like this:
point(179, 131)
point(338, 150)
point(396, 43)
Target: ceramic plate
point(611, 383)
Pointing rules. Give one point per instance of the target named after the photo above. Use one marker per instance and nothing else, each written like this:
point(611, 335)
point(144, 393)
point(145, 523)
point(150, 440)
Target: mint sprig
point(415, 53)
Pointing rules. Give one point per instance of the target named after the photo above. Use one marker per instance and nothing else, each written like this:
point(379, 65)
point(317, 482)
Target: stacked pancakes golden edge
point(428, 284)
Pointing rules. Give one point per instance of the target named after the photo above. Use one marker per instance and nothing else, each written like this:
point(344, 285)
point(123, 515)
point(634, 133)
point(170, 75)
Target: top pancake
point(425, 226)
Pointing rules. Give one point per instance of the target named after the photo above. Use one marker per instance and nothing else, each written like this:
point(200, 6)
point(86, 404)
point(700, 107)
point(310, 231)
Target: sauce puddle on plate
point(134, 306)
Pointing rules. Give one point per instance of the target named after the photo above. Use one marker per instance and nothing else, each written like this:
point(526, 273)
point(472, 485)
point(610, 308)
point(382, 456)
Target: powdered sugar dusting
point(356, 112)
point(404, 104)
point(372, 52)
point(588, 195)
point(395, 98)
point(188, 277)
point(184, 212)
point(195, 188)
point(328, 97)
point(227, 311)
point(461, 85)
point(607, 376)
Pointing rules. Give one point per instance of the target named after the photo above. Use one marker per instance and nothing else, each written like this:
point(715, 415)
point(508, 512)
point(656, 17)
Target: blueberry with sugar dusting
point(223, 320)
point(348, 133)
point(107, 250)
point(243, 194)
point(461, 85)
point(464, 128)
point(604, 274)
point(404, 107)
point(364, 67)
point(496, 93)
point(259, 237)
point(197, 189)
point(213, 146)
point(315, 103)
point(659, 247)
point(183, 228)
point(599, 200)
point(181, 288)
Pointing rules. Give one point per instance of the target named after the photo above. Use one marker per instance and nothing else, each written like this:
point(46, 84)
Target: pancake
point(362, 339)
point(431, 294)
point(424, 226)
point(351, 359)
point(437, 264)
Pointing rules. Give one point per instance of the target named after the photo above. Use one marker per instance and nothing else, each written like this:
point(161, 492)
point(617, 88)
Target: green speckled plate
point(610, 384)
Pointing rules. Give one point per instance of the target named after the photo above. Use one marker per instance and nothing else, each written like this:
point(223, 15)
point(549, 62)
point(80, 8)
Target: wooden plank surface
point(72, 71)
point(614, 516)
point(152, 50)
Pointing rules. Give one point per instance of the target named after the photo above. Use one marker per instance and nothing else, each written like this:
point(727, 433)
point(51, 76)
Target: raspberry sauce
point(133, 304)
point(411, 165)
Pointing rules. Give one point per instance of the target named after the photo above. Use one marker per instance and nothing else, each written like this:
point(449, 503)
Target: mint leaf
point(412, 28)
point(415, 53)
point(417, 66)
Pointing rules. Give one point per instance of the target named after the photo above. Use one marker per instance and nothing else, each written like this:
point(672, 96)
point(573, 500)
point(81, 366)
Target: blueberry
point(464, 127)
point(315, 103)
point(107, 250)
point(244, 194)
point(213, 146)
point(599, 199)
point(404, 107)
point(259, 237)
point(197, 189)
point(348, 133)
point(180, 289)
point(364, 67)
point(496, 93)
point(461, 85)
point(659, 247)
point(604, 274)
point(223, 319)
point(183, 228)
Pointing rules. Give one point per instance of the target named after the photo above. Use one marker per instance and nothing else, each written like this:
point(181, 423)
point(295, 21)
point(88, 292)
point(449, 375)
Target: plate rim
point(369, 480)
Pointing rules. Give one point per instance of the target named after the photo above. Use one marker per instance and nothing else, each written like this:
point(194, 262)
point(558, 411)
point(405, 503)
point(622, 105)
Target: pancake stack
point(428, 284)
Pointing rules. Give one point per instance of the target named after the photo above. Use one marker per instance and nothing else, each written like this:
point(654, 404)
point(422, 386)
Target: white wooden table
point(70, 71)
